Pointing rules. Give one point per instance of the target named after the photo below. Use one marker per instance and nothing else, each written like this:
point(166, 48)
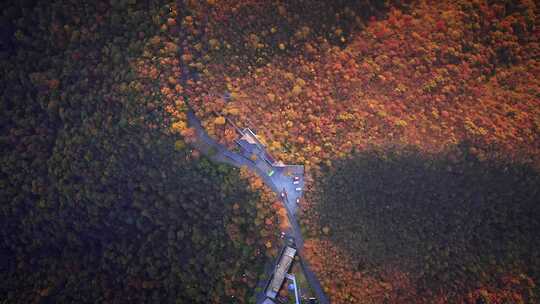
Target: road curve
point(217, 152)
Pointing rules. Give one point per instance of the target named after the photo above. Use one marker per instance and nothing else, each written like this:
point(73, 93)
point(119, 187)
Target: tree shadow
point(258, 31)
point(453, 221)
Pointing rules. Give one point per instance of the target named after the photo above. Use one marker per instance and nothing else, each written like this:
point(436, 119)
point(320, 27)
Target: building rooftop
point(250, 137)
point(268, 301)
point(283, 265)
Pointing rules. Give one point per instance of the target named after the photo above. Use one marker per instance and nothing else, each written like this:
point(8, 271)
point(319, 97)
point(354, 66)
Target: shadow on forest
point(451, 221)
point(291, 23)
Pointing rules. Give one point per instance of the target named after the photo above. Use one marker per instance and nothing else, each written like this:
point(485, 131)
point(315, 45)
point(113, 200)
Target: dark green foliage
point(453, 223)
point(96, 204)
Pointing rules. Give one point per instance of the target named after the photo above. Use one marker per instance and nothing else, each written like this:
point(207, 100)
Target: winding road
point(277, 182)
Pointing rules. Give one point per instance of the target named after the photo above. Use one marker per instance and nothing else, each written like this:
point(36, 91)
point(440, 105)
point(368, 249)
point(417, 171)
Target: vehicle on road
point(242, 157)
point(296, 182)
point(298, 189)
point(270, 173)
point(298, 200)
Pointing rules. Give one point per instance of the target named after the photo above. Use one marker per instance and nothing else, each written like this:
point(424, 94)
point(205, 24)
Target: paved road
point(210, 147)
point(277, 182)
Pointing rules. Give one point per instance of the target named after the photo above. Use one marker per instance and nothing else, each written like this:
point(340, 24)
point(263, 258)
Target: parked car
point(283, 194)
point(296, 178)
point(298, 200)
point(298, 189)
point(295, 182)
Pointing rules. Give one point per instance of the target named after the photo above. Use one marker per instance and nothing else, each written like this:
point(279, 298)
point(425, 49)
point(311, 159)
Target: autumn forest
point(417, 122)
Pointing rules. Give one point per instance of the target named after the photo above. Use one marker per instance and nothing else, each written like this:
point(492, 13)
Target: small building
point(284, 264)
point(250, 137)
point(250, 144)
point(268, 301)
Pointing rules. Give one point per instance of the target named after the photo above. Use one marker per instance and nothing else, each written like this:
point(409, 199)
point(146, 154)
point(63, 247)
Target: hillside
point(418, 122)
point(101, 201)
point(418, 125)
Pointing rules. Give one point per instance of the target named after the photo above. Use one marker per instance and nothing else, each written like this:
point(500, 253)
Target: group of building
point(252, 148)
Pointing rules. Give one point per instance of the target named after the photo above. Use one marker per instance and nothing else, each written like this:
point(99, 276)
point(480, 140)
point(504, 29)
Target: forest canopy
point(355, 85)
point(102, 200)
point(428, 229)
point(417, 122)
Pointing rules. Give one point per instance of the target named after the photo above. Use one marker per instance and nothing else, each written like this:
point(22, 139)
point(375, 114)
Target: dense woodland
point(421, 75)
point(415, 229)
point(418, 123)
point(100, 201)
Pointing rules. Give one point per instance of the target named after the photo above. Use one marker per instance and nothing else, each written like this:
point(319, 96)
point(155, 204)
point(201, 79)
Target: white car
point(298, 189)
point(282, 194)
point(296, 182)
point(298, 200)
point(296, 178)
